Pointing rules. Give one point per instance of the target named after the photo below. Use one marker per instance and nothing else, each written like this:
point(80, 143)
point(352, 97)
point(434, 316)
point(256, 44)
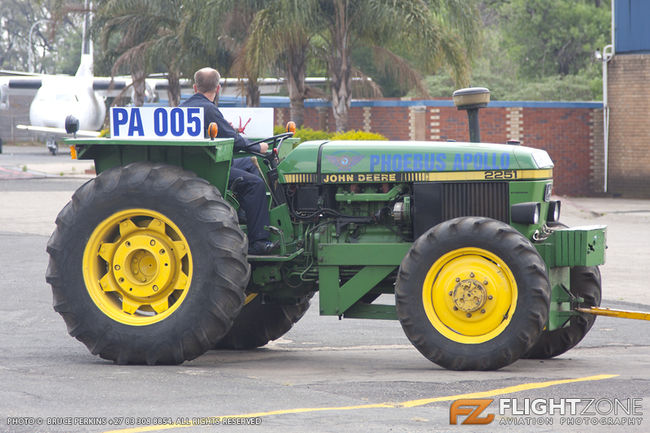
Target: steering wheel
point(274, 139)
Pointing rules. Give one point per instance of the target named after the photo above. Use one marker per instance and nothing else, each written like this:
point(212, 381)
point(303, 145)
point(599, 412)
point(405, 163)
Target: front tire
point(472, 294)
point(147, 265)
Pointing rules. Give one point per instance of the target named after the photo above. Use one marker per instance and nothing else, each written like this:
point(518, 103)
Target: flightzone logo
point(545, 411)
point(470, 409)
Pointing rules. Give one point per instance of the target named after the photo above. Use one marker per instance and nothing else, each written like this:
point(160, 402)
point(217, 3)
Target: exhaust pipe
point(472, 99)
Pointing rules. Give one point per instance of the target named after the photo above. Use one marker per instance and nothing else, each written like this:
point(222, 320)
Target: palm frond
point(399, 68)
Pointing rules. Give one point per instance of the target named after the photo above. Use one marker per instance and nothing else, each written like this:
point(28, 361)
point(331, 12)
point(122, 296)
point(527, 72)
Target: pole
point(30, 58)
point(474, 131)
point(607, 56)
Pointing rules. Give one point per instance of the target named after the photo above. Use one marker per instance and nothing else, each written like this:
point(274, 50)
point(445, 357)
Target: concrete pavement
point(20, 162)
point(325, 375)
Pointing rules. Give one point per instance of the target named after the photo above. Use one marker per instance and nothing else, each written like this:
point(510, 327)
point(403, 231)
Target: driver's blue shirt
point(212, 114)
point(249, 188)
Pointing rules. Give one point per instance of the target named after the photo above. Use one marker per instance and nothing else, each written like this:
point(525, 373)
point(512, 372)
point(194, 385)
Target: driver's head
point(206, 81)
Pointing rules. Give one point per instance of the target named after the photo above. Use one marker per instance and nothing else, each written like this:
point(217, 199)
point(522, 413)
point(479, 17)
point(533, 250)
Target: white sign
point(252, 122)
point(145, 123)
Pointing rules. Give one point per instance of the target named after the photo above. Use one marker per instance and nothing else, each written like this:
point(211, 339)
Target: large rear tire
point(586, 284)
point(147, 265)
point(258, 323)
point(472, 294)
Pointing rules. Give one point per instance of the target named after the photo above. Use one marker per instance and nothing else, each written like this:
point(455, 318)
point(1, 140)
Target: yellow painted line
point(507, 390)
point(409, 403)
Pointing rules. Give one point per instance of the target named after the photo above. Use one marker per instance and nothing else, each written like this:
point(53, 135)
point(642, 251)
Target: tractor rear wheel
point(472, 294)
point(586, 284)
point(147, 265)
point(258, 323)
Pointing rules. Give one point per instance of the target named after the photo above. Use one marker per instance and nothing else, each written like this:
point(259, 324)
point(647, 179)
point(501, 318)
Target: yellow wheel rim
point(469, 295)
point(137, 267)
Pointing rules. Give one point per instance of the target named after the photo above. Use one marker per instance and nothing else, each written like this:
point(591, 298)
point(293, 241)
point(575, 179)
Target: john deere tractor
point(149, 264)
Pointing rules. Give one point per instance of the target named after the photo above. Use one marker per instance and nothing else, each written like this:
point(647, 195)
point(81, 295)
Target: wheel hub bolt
point(451, 293)
point(471, 274)
point(469, 314)
point(155, 288)
point(457, 279)
point(117, 267)
point(152, 243)
point(455, 308)
point(485, 283)
point(490, 297)
point(483, 311)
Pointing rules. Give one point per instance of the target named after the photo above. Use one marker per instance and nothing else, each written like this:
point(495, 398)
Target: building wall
point(629, 125)
point(570, 132)
point(16, 114)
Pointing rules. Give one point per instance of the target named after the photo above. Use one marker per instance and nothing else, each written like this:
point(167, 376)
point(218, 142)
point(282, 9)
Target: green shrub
point(308, 134)
point(305, 134)
point(357, 135)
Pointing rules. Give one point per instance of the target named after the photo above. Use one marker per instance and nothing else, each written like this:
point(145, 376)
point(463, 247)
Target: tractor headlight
point(547, 191)
point(554, 211)
point(525, 213)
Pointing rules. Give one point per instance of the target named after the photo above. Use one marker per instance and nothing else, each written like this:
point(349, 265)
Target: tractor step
point(275, 258)
point(638, 315)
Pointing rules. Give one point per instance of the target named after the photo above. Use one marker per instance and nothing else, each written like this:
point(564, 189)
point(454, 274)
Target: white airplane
point(84, 95)
point(58, 96)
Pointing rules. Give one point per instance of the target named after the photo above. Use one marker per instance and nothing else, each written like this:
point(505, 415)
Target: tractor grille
point(489, 199)
point(437, 202)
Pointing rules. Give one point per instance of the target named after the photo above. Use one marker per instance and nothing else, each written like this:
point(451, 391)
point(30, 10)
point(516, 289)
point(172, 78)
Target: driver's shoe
point(261, 248)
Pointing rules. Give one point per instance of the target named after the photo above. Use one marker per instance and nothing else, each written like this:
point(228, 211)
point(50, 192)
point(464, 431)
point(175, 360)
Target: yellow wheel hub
point(137, 266)
point(469, 295)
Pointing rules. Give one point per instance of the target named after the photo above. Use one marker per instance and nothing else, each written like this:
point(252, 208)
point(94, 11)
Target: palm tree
point(147, 34)
point(278, 40)
point(222, 27)
point(435, 32)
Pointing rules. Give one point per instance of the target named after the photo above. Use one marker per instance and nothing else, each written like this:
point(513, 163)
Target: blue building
point(631, 26)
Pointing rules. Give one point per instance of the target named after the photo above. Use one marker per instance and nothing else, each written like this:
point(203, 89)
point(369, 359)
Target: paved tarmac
point(325, 375)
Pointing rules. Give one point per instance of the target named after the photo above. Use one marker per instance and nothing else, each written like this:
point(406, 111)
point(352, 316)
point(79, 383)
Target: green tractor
point(149, 264)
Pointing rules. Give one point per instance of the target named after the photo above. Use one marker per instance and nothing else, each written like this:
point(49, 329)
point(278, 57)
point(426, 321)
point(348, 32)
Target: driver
point(244, 176)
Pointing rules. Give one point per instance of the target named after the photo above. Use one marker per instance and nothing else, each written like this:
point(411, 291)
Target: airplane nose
point(49, 113)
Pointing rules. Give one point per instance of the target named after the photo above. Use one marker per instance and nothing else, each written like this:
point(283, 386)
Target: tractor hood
point(408, 161)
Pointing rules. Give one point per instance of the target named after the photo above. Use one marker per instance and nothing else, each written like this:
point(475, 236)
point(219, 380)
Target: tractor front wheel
point(472, 294)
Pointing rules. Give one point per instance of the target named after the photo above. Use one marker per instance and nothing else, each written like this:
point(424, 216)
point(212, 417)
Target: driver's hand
point(264, 147)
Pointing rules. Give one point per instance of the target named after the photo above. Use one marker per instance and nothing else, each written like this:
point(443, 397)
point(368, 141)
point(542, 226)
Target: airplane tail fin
point(86, 65)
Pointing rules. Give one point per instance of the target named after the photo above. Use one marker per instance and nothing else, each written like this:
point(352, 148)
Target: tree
point(280, 41)
point(56, 39)
point(549, 37)
point(334, 28)
point(146, 35)
point(222, 28)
